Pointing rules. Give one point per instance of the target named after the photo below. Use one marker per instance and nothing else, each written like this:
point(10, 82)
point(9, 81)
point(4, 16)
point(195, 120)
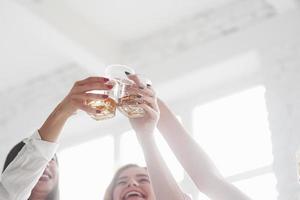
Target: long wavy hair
point(54, 194)
point(110, 189)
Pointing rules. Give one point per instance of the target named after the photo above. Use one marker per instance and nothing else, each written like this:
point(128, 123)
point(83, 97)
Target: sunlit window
point(170, 159)
point(234, 131)
point(259, 187)
point(86, 169)
point(131, 152)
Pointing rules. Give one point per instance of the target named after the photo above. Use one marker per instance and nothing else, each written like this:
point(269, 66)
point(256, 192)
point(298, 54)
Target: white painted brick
point(36, 95)
point(196, 30)
point(281, 72)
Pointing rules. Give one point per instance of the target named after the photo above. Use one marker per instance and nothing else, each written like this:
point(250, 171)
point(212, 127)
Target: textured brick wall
point(281, 71)
point(196, 30)
point(25, 106)
point(38, 94)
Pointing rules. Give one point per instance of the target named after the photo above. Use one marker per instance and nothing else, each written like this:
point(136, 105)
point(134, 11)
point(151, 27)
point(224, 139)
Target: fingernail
point(105, 79)
point(110, 86)
point(104, 96)
point(127, 73)
point(98, 111)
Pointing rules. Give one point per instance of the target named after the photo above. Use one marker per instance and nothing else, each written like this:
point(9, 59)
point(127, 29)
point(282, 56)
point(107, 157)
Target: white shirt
point(22, 174)
point(187, 197)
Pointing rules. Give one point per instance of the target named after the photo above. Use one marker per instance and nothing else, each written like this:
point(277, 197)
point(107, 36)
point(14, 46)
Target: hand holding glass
point(105, 107)
point(128, 99)
point(121, 95)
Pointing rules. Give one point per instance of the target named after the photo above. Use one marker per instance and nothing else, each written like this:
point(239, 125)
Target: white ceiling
point(39, 35)
point(22, 48)
point(46, 38)
point(131, 19)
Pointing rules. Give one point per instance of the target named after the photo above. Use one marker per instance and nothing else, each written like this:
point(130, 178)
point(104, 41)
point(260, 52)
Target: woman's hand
point(148, 101)
point(76, 99)
point(164, 185)
point(78, 96)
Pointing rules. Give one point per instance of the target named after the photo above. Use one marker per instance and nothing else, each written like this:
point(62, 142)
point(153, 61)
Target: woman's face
point(48, 180)
point(133, 184)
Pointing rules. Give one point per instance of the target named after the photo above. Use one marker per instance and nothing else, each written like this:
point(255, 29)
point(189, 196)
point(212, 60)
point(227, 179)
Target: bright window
point(259, 187)
point(86, 169)
point(131, 152)
point(234, 132)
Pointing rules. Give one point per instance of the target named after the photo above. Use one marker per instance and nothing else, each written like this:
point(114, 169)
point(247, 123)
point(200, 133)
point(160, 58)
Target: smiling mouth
point(133, 194)
point(45, 177)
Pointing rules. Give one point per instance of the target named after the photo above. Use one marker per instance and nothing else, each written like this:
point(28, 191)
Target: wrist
point(148, 144)
point(62, 111)
point(145, 137)
point(65, 109)
point(51, 128)
point(59, 115)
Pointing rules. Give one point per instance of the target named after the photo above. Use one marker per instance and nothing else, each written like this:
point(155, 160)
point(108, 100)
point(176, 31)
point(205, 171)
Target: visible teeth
point(133, 193)
point(46, 175)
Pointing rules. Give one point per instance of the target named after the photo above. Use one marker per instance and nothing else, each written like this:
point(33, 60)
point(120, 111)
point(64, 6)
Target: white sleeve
point(21, 175)
point(187, 197)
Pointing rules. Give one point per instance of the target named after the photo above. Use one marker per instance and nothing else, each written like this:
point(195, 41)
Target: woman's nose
point(132, 182)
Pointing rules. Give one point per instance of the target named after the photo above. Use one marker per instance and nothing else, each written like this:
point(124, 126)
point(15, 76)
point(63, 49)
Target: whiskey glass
point(105, 107)
point(128, 98)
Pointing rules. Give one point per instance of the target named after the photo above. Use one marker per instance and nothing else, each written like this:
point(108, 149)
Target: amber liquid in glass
point(129, 106)
point(106, 107)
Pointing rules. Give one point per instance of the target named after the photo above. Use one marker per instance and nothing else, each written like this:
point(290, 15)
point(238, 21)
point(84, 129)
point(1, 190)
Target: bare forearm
point(52, 127)
point(222, 190)
point(165, 186)
point(199, 166)
point(73, 101)
point(194, 160)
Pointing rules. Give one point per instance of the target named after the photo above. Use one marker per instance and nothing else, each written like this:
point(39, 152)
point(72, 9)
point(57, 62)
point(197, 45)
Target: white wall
point(281, 77)
point(275, 40)
point(277, 43)
point(38, 65)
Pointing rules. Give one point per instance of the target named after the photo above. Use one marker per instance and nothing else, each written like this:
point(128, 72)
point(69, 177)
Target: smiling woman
point(47, 184)
point(131, 182)
point(30, 171)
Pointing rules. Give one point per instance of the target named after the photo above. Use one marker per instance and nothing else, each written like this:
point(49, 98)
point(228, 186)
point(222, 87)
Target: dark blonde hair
point(110, 189)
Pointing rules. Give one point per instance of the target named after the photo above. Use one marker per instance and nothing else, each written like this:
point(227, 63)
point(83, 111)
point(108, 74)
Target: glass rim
point(121, 67)
point(144, 79)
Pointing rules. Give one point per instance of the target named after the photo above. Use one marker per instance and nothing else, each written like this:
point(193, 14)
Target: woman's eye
point(121, 183)
point(144, 180)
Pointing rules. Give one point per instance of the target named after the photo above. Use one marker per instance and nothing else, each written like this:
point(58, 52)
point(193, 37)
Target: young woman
point(194, 160)
point(130, 181)
point(21, 170)
point(31, 169)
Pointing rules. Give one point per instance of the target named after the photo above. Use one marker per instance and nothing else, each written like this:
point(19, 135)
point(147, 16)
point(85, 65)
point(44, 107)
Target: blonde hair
point(110, 189)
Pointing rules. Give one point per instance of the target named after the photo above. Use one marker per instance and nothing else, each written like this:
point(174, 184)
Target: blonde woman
point(156, 182)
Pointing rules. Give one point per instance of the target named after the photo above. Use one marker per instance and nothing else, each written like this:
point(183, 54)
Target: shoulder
point(187, 197)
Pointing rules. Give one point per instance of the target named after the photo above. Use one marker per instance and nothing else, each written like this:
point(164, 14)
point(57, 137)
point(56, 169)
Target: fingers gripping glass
point(121, 96)
point(105, 108)
point(128, 99)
